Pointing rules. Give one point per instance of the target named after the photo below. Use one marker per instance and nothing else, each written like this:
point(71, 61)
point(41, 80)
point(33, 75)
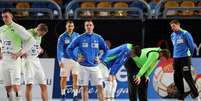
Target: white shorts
point(69, 65)
point(33, 71)
point(104, 71)
point(1, 76)
point(87, 74)
point(11, 71)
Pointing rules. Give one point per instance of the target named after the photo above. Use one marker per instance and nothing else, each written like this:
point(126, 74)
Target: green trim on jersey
point(130, 46)
point(8, 32)
point(147, 64)
point(36, 37)
point(184, 31)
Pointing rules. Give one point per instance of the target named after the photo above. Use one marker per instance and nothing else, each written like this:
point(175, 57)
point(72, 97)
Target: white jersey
point(35, 49)
point(12, 36)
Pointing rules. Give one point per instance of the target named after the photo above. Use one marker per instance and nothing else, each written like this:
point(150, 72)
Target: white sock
point(63, 92)
point(108, 89)
point(75, 92)
point(113, 90)
point(11, 95)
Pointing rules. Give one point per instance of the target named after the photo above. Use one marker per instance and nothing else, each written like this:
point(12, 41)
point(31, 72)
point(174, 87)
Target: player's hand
point(97, 60)
point(80, 59)
point(137, 80)
point(41, 50)
point(61, 65)
point(17, 55)
point(109, 78)
point(24, 55)
point(147, 79)
point(114, 77)
point(14, 56)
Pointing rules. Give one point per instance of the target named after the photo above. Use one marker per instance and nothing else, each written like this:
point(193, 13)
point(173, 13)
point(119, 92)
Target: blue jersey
point(183, 44)
point(63, 41)
point(116, 57)
point(89, 46)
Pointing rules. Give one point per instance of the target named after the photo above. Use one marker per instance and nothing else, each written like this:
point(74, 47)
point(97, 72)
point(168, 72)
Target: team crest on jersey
point(85, 44)
point(180, 40)
point(67, 41)
point(5, 42)
point(12, 30)
point(95, 44)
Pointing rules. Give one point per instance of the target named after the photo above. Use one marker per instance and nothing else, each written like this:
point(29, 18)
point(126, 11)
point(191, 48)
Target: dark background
point(118, 32)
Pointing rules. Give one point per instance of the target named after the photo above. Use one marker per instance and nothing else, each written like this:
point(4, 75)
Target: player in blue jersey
point(183, 49)
point(89, 44)
point(113, 60)
point(65, 62)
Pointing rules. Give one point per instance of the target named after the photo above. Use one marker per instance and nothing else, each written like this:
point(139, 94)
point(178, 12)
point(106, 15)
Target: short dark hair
point(69, 21)
point(43, 27)
point(88, 20)
point(166, 53)
point(137, 49)
point(174, 22)
point(7, 10)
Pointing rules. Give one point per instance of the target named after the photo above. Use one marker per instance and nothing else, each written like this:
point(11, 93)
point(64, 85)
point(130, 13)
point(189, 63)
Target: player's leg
point(142, 89)
point(10, 93)
point(63, 85)
point(63, 78)
point(96, 77)
point(15, 74)
point(44, 92)
point(106, 80)
point(108, 89)
point(132, 71)
point(29, 77)
point(18, 96)
point(186, 65)
point(178, 78)
point(85, 95)
point(83, 79)
point(28, 92)
point(100, 92)
point(42, 83)
point(75, 72)
point(132, 89)
point(75, 86)
point(7, 82)
point(40, 78)
point(114, 87)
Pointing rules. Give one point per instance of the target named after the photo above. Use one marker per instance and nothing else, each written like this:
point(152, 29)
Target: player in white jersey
point(12, 35)
point(32, 66)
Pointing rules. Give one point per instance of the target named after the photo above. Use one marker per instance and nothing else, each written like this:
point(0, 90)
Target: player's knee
point(43, 87)
point(16, 88)
point(99, 87)
point(29, 87)
point(85, 88)
point(8, 88)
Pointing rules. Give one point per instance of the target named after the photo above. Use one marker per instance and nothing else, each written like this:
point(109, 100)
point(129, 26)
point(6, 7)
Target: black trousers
point(182, 69)
point(135, 91)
